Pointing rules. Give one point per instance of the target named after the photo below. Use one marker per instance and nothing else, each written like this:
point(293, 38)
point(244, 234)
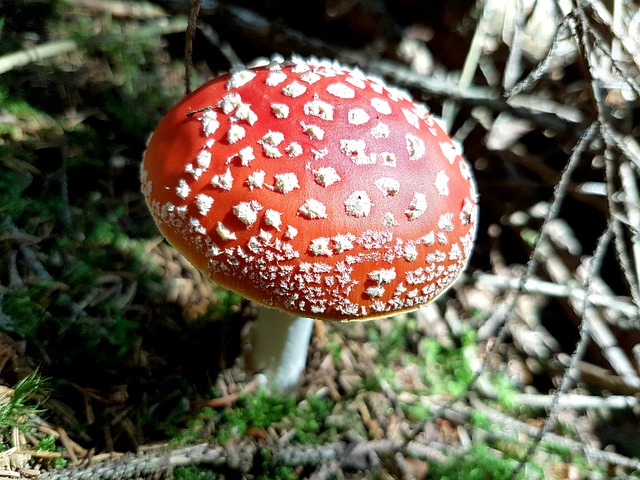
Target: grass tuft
point(19, 406)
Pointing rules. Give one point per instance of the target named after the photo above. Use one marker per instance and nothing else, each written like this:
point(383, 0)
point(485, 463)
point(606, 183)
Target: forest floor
point(120, 360)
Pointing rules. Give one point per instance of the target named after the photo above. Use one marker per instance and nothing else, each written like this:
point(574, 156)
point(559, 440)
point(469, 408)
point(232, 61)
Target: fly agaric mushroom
point(315, 190)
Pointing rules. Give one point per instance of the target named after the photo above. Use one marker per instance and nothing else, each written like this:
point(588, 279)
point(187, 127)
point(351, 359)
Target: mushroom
point(315, 190)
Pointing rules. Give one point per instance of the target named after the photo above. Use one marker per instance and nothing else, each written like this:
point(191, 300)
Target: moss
point(262, 410)
point(310, 421)
point(447, 369)
point(505, 390)
point(15, 177)
point(254, 411)
point(417, 412)
point(194, 472)
point(48, 443)
point(20, 115)
point(393, 342)
point(273, 471)
point(480, 462)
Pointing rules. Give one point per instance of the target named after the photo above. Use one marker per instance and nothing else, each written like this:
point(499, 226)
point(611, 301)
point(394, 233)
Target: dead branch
point(57, 48)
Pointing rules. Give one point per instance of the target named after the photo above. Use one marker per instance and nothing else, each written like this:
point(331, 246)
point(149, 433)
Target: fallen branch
point(257, 29)
point(62, 47)
point(550, 289)
point(240, 457)
point(511, 430)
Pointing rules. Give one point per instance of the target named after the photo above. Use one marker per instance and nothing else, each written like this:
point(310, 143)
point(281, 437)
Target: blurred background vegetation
point(110, 342)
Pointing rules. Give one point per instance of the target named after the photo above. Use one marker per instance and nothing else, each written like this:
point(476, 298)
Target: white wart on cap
point(314, 189)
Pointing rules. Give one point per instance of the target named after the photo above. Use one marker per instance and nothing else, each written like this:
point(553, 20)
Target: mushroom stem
point(280, 342)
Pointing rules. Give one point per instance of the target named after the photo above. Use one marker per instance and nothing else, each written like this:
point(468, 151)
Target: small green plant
point(335, 348)
point(417, 412)
point(261, 410)
point(273, 471)
point(480, 420)
point(48, 444)
point(309, 420)
point(553, 453)
point(19, 405)
point(480, 462)
point(20, 113)
point(194, 472)
point(371, 382)
point(505, 390)
point(448, 369)
point(529, 236)
point(393, 343)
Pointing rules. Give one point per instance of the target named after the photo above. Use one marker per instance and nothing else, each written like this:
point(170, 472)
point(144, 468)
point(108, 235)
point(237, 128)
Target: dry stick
point(632, 204)
point(611, 20)
point(246, 20)
point(239, 456)
point(507, 423)
point(62, 47)
point(600, 44)
point(630, 274)
point(579, 28)
point(550, 289)
point(41, 52)
point(574, 401)
point(554, 209)
point(188, 44)
point(449, 106)
point(542, 67)
point(480, 96)
point(627, 144)
point(605, 129)
point(119, 9)
point(553, 212)
point(510, 429)
point(513, 65)
point(599, 331)
point(615, 57)
point(600, 288)
point(502, 315)
point(225, 48)
point(618, 230)
point(617, 27)
point(570, 373)
point(622, 42)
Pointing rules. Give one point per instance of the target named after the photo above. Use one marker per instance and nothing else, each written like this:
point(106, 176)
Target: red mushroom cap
point(314, 189)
